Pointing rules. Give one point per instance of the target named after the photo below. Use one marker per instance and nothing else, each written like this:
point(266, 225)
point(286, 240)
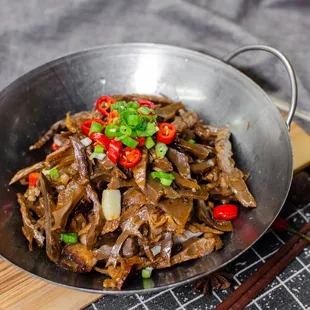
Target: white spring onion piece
point(57, 141)
point(156, 249)
point(99, 156)
point(86, 141)
point(188, 235)
point(111, 204)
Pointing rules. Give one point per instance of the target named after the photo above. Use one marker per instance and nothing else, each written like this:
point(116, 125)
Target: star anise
point(220, 279)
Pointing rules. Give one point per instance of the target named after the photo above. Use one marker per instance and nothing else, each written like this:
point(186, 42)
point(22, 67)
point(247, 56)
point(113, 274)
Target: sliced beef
point(95, 218)
point(77, 258)
point(185, 183)
point(179, 209)
point(162, 164)
point(180, 160)
point(204, 214)
point(190, 118)
point(206, 132)
point(199, 168)
point(168, 112)
point(198, 150)
point(179, 124)
point(23, 173)
point(153, 189)
point(139, 171)
point(67, 200)
point(130, 247)
point(53, 242)
point(194, 249)
point(30, 229)
point(134, 196)
point(232, 175)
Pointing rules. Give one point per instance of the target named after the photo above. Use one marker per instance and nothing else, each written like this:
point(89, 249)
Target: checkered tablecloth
point(290, 290)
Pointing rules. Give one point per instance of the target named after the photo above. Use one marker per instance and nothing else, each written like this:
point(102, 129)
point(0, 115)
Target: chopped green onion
point(192, 141)
point(98, 149)
point(133, 120)
point(119, 105)
point(150, 130)
point(135, 105)
point(95, 127)
point(86, 141)
point(145, 110)
point(54, 173)
point(165, 182)
point(111, 131)
point(148, 283)
point(161, 149)
point(130, 142)
point(69, 237)
point(120, 138)
point(162, 175)
point(149, 143)
point(125, 130)
point(147, 272)
point(147, 118)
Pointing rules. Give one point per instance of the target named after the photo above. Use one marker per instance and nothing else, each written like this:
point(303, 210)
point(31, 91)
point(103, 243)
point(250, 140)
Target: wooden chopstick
point(249, 289)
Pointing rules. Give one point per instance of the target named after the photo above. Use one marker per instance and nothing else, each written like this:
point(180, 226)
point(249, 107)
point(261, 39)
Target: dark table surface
point(290, 290)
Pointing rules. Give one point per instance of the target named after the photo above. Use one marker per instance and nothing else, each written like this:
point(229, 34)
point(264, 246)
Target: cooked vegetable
point(114, 150)
point(87, 141)
point(95, 127)
point(160, 203)
point(69, 237)
point(161, 150)
point(98, 153)
point(100, 138)
point(225, 212)
point(54, 173)
point(130, 142)
point(55, 146)
point(33, 178)
point(130, 157)
point(149, 143)
point(111, 204)
point(165, 178)
point(141, 141)
point(146, 103)
point(86, 125)
point(103, 104)
point(146, 272)
point(166, 133)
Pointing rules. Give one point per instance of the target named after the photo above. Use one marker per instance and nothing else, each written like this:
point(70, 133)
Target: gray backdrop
point(33, 32)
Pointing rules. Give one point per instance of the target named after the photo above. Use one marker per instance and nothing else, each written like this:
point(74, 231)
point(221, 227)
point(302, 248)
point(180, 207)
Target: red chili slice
point(103, 104)
point(100, 138)
point(225, 212)
point(32, 178)
point(166, 133)
point(55, 146)
point(85, 126)
point(113, 116)
point(146, 103)
point(114, 150)
point(130, 157)
point(141, 141)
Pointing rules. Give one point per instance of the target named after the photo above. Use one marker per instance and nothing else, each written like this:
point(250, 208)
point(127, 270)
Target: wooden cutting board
point(20, 291)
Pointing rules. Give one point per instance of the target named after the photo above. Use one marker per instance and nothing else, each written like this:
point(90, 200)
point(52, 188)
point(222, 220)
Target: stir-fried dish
point(136, 184)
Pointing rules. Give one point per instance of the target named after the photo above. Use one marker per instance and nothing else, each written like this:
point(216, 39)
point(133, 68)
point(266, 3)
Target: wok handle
point(287, 66)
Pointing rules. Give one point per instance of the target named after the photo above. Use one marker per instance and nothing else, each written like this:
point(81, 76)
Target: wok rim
point(164, 48)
